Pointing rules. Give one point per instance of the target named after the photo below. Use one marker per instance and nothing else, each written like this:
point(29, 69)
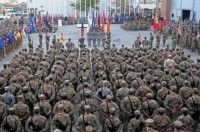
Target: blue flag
point(31, 24)
point(1, 43)
point(93, 20)
point(10, 38)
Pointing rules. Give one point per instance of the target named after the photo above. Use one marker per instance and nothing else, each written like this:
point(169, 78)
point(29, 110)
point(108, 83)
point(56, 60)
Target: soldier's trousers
point(47, 46)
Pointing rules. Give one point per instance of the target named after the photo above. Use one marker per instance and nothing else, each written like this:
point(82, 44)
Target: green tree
point(81, 3)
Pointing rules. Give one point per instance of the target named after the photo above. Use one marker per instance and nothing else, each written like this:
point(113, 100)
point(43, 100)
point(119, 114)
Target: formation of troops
point(137, 25)
point(96, 37)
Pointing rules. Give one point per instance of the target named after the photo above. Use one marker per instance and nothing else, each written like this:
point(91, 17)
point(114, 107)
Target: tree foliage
point(81, 3)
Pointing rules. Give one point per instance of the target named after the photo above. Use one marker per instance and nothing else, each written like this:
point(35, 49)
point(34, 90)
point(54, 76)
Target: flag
point(89, 24)
point(62, 38)
point(82, 31)
point(179, 31)
point(156, 24)
point(102, 22)
point(31, 24)
point(108, 24)
point(93, 20)
point(10, 38)
point(1, 43)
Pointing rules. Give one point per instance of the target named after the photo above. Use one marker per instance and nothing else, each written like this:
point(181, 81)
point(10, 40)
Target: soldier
point(37, 123)
point(164, 37)
point(145, 43)
point(45, 107)
point(30, 46)
point(21, 110)
point(193, 104)
point(105, 107)
point(169, 63)
point(102, 93)
point(178, 126)
point(158, 38)
point(174, 43)
point(11, 123)
point(149, 105)
point(54, 40)
point(87, 119)
point(128, 105)
point(150, 125)
point(137, 123)
point(8, 98)
point(98, 39)
point(151, 40)
point(40, 38)
point(137, 43)
point(186, 119)
point(186, 91)
point(173, 103)
point(61, 120)
point(47, 37)
point(113, 123)
point(161, 120)
point(88, 101)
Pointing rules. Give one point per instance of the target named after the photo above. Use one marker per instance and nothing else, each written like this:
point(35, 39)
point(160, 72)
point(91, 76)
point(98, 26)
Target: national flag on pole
point(82, 30)
point(1, 43)
point(97, 19)
point(156, 25)
point(31, 24)
point(102, 22)
point(108, 24)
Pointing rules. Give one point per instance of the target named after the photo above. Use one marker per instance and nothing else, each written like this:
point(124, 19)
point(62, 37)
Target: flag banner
point(108, 24)
point(93, 20)
point(102, 22)
point(1, 43)
point(31, 24)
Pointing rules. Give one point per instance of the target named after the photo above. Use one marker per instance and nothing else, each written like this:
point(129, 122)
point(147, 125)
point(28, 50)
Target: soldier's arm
point(19, 126)
point(68, 125)
point(123, 107)
point(166, 103)
point(71, 109)
point(27, 128)
point(46, 127)
point(130, 128)
point(53, 95)
point(78, 124)
point(13, 100)
point(96, 124)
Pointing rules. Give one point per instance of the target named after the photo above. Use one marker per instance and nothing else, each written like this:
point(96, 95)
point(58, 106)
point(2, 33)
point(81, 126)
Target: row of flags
point(159, 24)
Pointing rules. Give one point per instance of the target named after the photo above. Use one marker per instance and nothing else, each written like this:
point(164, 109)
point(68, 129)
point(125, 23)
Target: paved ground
point(119, 37)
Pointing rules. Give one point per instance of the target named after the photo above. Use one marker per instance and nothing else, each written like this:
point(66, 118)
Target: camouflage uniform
point(37, 123)
point(11, 122)
point(87, 119)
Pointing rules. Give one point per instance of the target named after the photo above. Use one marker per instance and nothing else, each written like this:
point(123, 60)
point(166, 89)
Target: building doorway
point(186, 14)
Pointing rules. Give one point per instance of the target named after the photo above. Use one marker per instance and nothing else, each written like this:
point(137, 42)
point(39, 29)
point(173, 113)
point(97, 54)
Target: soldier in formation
point(109, 90)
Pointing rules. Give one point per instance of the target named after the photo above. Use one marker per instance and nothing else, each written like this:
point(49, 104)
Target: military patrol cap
point(60, 106)
point(47, 79)
point(149, 95)
point(184, 109)
point(109, 97)
point(161, 110)
point(41, 96)
point(36, 109)
point(88, 92)
point(173, 89)
point(11, 110)
point(87, 107)
point(137, 112)
point(164, 83)
point(64, 94)
point(89, 129)
point(20, 96)
point(112, 110)
point(177, 124)
point(149, 122)
point(131, 91)
point(57, 130)
point(7, 88)
point(66, 82)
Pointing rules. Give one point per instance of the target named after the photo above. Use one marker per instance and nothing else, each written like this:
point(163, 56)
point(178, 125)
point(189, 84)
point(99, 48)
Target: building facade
point(181, 9)
point(53, 7)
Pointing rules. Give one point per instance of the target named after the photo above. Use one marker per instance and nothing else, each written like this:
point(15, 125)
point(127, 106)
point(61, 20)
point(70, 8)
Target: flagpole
point(90, 8)
point(85, 9)
point(115, 7)
point(80, 8)
point(75, 10)
point(110, 7)
point(95, 6)
point(124, 7)
point(129, 10)
point(120, 7)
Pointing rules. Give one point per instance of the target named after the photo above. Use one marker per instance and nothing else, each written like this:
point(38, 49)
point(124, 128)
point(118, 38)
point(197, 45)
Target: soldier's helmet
point(7, 88)
point(41, 96)
point(131, 91)
point(87, 108)
point(161, 110)
point(149, 95)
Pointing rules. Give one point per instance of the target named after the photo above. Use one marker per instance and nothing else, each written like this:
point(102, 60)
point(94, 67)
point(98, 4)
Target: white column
point(85, 9)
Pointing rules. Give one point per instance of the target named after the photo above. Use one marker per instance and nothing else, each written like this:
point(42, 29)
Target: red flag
point(108, 24)
point(82, 31)
point(156, 24)
point(102, 22)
